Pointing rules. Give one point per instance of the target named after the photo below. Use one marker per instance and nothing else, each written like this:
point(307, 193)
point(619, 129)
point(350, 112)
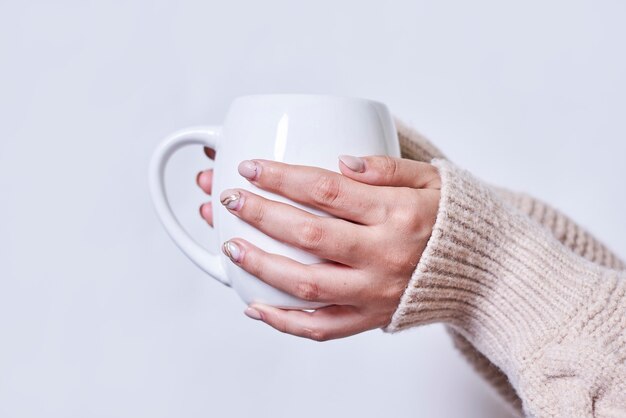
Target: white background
point(100, 314)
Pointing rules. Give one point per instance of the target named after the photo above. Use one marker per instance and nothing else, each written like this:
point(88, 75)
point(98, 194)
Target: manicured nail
point(253, 313)
point(355, 164)
point(248, 169)
point(231, 250)
point(231, 199)
point(202, 208)
point(198, 177)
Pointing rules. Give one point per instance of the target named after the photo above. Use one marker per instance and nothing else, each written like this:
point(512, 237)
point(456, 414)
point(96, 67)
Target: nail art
point(231, 250)
point(230, 199)
point(355, 164)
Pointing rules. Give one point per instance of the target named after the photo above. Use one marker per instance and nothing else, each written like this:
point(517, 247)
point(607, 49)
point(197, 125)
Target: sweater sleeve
point(553, 322)
point(417, 147)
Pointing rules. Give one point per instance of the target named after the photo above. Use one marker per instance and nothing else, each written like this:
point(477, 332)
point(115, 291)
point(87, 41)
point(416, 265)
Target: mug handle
point(201, 135)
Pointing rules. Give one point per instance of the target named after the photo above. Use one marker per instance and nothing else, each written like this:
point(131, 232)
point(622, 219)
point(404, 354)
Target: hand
point(384, 209)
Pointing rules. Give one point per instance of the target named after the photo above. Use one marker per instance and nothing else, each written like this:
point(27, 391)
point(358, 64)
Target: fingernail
point(201, 208)
point(231, 199)
point(248, 169)
point(253, 313)
point(198, 177)
point(231, 250)
point(355, 164)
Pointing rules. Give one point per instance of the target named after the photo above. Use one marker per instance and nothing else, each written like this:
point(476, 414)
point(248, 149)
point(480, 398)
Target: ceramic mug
point(296, 129)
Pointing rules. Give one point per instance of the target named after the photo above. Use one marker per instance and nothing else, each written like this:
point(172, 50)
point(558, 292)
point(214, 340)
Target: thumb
point(382, 170)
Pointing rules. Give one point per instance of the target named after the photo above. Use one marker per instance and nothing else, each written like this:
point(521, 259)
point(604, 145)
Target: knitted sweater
point(531, 299)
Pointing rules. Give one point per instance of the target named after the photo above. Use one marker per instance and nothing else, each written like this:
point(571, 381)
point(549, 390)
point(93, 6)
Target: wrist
point(491, 272)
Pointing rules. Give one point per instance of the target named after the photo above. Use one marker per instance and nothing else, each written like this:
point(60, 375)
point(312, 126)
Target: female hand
point(384, 209)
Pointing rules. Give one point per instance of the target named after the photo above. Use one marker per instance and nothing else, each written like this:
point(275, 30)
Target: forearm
point(564, 229)
point(518, 295)
point(417, 147)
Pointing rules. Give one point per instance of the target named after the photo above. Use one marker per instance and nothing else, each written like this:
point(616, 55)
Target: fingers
point(329, 238)
point(204, 180)
point(206, 212)
point(321, 325)
point(390, 171)
point(317, 187)
point(324, 282)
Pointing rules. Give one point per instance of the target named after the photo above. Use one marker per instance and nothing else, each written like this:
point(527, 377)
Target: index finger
point(319, 188)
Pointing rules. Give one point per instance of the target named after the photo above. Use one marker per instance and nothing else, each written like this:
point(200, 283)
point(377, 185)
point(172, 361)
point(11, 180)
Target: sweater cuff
point(491, 272)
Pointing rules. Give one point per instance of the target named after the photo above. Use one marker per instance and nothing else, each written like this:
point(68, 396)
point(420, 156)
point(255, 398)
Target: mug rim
point(306, 96)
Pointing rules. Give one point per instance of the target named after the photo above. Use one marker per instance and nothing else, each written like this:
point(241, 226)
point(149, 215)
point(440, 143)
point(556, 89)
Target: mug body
point(295, 129)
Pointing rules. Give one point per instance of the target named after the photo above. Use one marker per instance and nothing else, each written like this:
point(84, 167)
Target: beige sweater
point(533, 301)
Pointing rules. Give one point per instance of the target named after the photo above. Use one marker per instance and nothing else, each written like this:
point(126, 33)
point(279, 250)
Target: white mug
point(296, 129)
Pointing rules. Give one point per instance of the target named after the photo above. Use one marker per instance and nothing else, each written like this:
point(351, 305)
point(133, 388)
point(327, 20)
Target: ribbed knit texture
point(510, 277)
